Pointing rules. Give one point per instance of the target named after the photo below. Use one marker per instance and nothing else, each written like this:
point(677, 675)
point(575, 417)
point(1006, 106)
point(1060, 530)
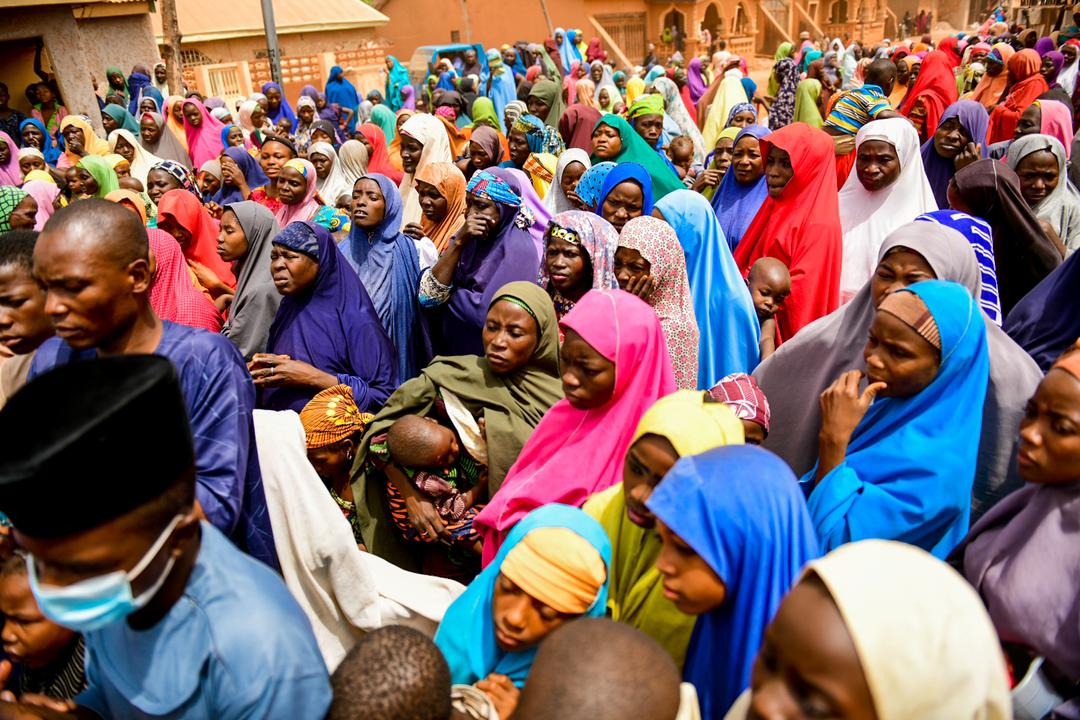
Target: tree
point(170, 30)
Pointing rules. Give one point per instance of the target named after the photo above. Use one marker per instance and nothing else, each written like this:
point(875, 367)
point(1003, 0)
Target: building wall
point(252, 48)
point(123, 41)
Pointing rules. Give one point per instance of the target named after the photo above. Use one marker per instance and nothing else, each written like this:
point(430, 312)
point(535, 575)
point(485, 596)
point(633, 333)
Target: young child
point(209, 179)
point(741, 393)
point(681, 154)
point(770, 285)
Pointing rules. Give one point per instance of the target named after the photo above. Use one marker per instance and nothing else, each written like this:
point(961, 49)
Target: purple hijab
point(1042, 322)
point(523, 187)
point(332, 325)
point(408, 97)
point(253, 176)
point(939, 171)
point(1045, 45)
point(695, 80)
point(736, 204)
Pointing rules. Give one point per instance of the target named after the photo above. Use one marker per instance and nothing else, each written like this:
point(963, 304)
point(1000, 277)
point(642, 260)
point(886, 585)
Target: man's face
point(159, 74)
point(23, 322)
point(470, 57)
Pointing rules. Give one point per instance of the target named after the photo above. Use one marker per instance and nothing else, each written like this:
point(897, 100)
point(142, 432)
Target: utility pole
point(170, 30)
point(272, 50)
point(465, 18)
point(547, 18)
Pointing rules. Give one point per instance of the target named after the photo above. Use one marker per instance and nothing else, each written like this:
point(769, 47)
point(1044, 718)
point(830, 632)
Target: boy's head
point(132, 184)
point(29, 637)
point(393, 673)
point(24, 325)
point(681, 153)
point(420, 442)
point(770, 285)
point(209, 182)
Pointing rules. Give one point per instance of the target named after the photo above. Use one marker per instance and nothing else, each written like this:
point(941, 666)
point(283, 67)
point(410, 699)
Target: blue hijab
point(284, 109)
point(568, 51)
point(592, 182)
point(736, 204)
point(147, 92)
point(727, 322)
point(503, 90)
point(389, 267)
point(741, 511)
point(620, 174)
point(1045, 321)
point(341, 92)
point(253, 176)
point(137, 86)
point(332, 326)
point(50, 149)
point(466, 635)
point(980, 236)
point(397, 78)
point(911, 461)
point(446, 81)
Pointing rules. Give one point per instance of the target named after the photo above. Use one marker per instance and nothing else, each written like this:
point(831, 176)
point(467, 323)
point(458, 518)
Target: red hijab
point(948, 45)
point(801, 228)
point(936, 86)
point(173, 294)
point(379, 162)
point(184, 209)
point(1029, 85)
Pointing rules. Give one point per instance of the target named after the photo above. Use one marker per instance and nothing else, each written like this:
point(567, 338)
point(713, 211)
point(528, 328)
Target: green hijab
point(384, 117)
point(102, 171)
point(125, 93)
point(511, 406)
point(551, 93)
point(806, 103)
point(636, 150)
point(10, 197)
point(123, 118)
point(483, 113)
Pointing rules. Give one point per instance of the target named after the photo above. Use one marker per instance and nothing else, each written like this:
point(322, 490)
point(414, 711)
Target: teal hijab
point(386, 119)
point(636, 150)
point(122, 117)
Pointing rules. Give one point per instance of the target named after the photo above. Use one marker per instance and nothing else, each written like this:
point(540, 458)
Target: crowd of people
point(476, 397)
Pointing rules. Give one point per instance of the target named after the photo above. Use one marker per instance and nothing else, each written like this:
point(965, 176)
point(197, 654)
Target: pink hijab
point(44, 194)
point(204, 142)
point(574, 453)
point(10, 174)
point(306, 208)
point(1057, 122)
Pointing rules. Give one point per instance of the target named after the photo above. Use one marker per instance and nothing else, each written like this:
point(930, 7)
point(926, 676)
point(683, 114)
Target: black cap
point(90, 441)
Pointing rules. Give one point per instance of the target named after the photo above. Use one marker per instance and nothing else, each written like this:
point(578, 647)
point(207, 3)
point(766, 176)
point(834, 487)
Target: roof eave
point(290, 30)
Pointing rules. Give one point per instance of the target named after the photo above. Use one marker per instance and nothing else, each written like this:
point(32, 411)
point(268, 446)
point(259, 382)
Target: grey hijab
point(802, 368)
point(256, 300)
point(167, 147)
point(1061, 208)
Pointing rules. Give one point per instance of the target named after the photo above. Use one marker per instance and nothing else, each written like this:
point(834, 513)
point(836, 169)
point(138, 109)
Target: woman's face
point(88, 182)
point(1038, 173)
point(647, 462)
point(318, 135)
point(877, 165)
point(899, 269)
point(149, 131)
point(73, 137)
point(537, 107)
point(411, 149)
point(235, 137)
point(122, 170)
point(1030, 122)
point(899, 357)
point(29, 637)
point(272, 157)
point(147, 105)
point(169, 224)
point(159, 182)
point(291, 186)
point(743, 118)
point(31, 163)
point(596, 72)
point(333, 461)
point(1047, 69)
point(624, 203)
point(108, 123)
point(24, 216)
point(808, 666)
point(432, 203)
point(746, 161)
point(723, 154)
point(368, 204)
point(510, 337)
point(478, 156)
point(258, 116)
point(778, 171)
point(950, 138)
point(568, 267)
point(116, 80)
point(606, 142)
point(232, 243)
point(273, 99)
point(33, 137)
point(630, 265)
point(588, 378)
point(293, 272)
point(45, 94)
point(124, 149)
point(1049, 451)
point(322, 164)
point(521, 621)
point(689, 583)
point(571, 174)
point(306, 113)
point(518, 144)
point(192, 114)
point(477, 206)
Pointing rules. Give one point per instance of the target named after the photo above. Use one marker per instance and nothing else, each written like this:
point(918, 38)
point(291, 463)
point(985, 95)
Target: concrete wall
point(123, 41)
point(248, 48)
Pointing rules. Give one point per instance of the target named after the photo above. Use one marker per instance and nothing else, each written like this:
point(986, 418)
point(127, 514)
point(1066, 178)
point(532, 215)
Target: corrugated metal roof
point(202, 20)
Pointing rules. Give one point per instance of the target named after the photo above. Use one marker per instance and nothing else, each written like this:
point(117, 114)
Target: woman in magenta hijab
point(203, 132)
point(615, 365)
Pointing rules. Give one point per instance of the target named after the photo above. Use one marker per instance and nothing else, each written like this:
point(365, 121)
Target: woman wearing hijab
point(890, 605)
point(552, 569)
point(619, 334)
point(1040, 163)
point(378, 160)
point(988, 92)
point(615, 140)
point(158, 139)
point(393, 150)
point(278, 106)
point(531, 204)
point(332, 183)
point(341, 92)
point(807, 101)
point(485, 151)
point(181, 215)
point(123, 143)
point(240, 175)
point(578, 256)
point(650, 263)
point(45, 193)
point(979, 235)
point(423, 141)
point(97, 176)
point(546, 101)
point(743, 188)
point(729, 94)
point(682, 424)
point(799, 224)
point(905, 66)
point(32, 133)
point(296, 185)
point(442, 216)
point(695, 80)
point(1023, 253)
point(80, 140)
point(795, 376)
point(388, 265)
point(203, 132)
point(173, 294)
point(959, 139)
point(886, 189)
point(576, 126)
point(591, 183)
point(933, 91)
point(1027, 85)
point(247, 229)
point(118, 117)
point(397, 77)
point(573, 163)
point(748, 564)
point(626, 194)
point(10, 173)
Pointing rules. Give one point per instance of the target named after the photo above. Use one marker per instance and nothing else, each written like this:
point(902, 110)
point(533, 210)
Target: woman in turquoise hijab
point(727, 322)
point(625, 145)
point(122, 118)
point(385, 119)
point(902, 468)
point(554, 563)
point(397, 77)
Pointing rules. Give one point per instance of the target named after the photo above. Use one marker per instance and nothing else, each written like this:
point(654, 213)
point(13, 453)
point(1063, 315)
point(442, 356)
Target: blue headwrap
point(50, 150)
point(736, 204)
point(591, 182)
point(622, 173)
point(300, 237)
point(741, 107)
point(980, 236)
point(487, 185)
point(541, 137)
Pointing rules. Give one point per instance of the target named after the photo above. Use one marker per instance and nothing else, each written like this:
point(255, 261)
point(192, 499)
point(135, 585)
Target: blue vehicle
point(423, 60)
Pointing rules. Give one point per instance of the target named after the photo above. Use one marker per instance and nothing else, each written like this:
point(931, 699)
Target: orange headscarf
point(1029, 84)
point(393, 150)
point(988, 91)
point(451, 185)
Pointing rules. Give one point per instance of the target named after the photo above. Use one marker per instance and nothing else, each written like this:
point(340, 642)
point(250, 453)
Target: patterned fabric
point(332, 416)
point(678, 112)
point(741, 393)
point(738, 108)
point(348, 509)
point(782, 111)
point(178, 171)
point(980, 235)
point(62, 679)
point(597, 237)
point(646, 105)
point(10, 197)
point(855, 108)
point(487, 185)
point(299, 238)
point(541, 137)
point(670, 298)
point(591, 183)
point(913, 311)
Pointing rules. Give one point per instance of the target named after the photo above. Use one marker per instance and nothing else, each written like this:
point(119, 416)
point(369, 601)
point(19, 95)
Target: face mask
point(100, 601)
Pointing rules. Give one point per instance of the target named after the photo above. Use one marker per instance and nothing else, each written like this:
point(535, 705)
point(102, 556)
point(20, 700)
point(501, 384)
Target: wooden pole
point(170, 30)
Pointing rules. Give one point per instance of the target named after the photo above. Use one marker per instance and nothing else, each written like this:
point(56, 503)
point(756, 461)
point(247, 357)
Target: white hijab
point(143, 160)
point(556, 200)
point(1067, 77)
point(868, 217)
point(336, 183)
point(429, 131)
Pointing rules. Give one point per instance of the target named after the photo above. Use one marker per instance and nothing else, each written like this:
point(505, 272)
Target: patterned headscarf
point(741, 393)
point(487, 185)
point(10, 197)
point(541, 137)
point(332, 416)
point(741, 107)
point(593, 234)
point(592, 182)
point(299, 237)
point(651, 104)
point(178, 171)
point(513, 110)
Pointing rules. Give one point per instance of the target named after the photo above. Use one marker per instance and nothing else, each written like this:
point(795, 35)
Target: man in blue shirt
point(98, 480)
point(92, 258)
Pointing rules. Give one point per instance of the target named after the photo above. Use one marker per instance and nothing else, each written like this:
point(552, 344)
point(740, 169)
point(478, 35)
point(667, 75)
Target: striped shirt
point(854, 108)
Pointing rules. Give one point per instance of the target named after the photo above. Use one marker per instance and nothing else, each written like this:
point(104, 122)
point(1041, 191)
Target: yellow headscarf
point(730, 94)
point(635, 88)
point(558, 567)
point(92, 144)
point(692, 423)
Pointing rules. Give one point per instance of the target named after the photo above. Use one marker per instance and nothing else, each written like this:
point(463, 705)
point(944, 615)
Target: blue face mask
point(100, 601)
